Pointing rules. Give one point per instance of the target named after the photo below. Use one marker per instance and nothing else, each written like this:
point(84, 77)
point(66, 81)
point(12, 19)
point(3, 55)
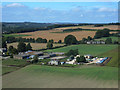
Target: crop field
point(35, 46)
point(58, 36)
point(111, 27)
point(86, 49)
point(36, 76)
point(52, 34)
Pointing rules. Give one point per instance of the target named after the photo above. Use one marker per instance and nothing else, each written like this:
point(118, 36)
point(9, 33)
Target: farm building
point(34, 53)
point(58, 53)
point(44, 57)
point(54, 62)
point(21, 56)
point(58, 57)
point(96, 42)
point(88, 56)
point(3, 50)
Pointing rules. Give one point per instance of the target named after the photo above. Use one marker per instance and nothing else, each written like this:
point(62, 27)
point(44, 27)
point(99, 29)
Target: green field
point(14, 35)
point(10, 65)
point(104, 38)
point(114, 54)
point(36, 76)
point(86, 49)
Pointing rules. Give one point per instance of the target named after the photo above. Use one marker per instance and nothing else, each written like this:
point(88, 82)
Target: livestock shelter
point(21, 56)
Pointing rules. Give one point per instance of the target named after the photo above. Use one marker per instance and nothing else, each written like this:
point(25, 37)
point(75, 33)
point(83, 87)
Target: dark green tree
point(35, 59)
point(60, 41)
point(82, 59)
point(49, 45)
point(52, 41)
point(70, 39)
point(4, 45)
point(14, 51)
point(108, 41)
point(72, 52)
point(10, 49)
point(89, 38)
point(21, 47)
point(28, 47)
point(78, 59)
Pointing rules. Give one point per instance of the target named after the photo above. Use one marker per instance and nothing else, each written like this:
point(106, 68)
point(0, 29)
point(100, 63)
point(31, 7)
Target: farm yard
point(36, 76)
point(35, 46)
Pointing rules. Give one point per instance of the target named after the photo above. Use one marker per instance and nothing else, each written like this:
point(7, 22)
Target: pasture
point(36, 76)
point(14, 35)
point(35, 46)
point(86, 49)
point(104, 38)
point(114, 54)
point(10, 65)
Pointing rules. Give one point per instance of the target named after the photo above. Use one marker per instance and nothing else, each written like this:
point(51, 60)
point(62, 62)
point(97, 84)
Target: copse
point(102, 33)
point(70, 39)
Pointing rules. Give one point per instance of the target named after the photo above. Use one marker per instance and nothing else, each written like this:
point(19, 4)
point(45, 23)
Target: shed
point(21, 56)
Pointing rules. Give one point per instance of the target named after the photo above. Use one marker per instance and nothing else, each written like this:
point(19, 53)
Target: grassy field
point(12, 65)
point(35, 46)
point(114, 54)
point(14, 35)
point(113, 38)
point(86, 49)
point(36, 76)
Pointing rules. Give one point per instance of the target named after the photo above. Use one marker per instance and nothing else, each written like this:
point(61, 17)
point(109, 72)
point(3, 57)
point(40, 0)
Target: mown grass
point(100, 73)
point(86, 49)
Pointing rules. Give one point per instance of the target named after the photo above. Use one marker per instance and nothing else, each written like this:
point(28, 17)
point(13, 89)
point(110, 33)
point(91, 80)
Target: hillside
point(114, 54)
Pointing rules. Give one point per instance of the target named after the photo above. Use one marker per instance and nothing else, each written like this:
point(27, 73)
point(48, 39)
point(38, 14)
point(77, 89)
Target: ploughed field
point(36, 76)
point(48, 34)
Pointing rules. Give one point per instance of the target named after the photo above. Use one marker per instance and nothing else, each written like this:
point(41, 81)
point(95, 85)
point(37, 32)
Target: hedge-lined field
point(86, 49)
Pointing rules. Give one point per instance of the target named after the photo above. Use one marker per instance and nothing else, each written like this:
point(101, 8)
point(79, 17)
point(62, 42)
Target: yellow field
point(35, 46)
point(60, 36)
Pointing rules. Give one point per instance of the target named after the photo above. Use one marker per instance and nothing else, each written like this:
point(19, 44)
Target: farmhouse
point(54, 62)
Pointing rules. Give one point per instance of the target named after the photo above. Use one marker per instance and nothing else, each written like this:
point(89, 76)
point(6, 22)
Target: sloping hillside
point(114, 54)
